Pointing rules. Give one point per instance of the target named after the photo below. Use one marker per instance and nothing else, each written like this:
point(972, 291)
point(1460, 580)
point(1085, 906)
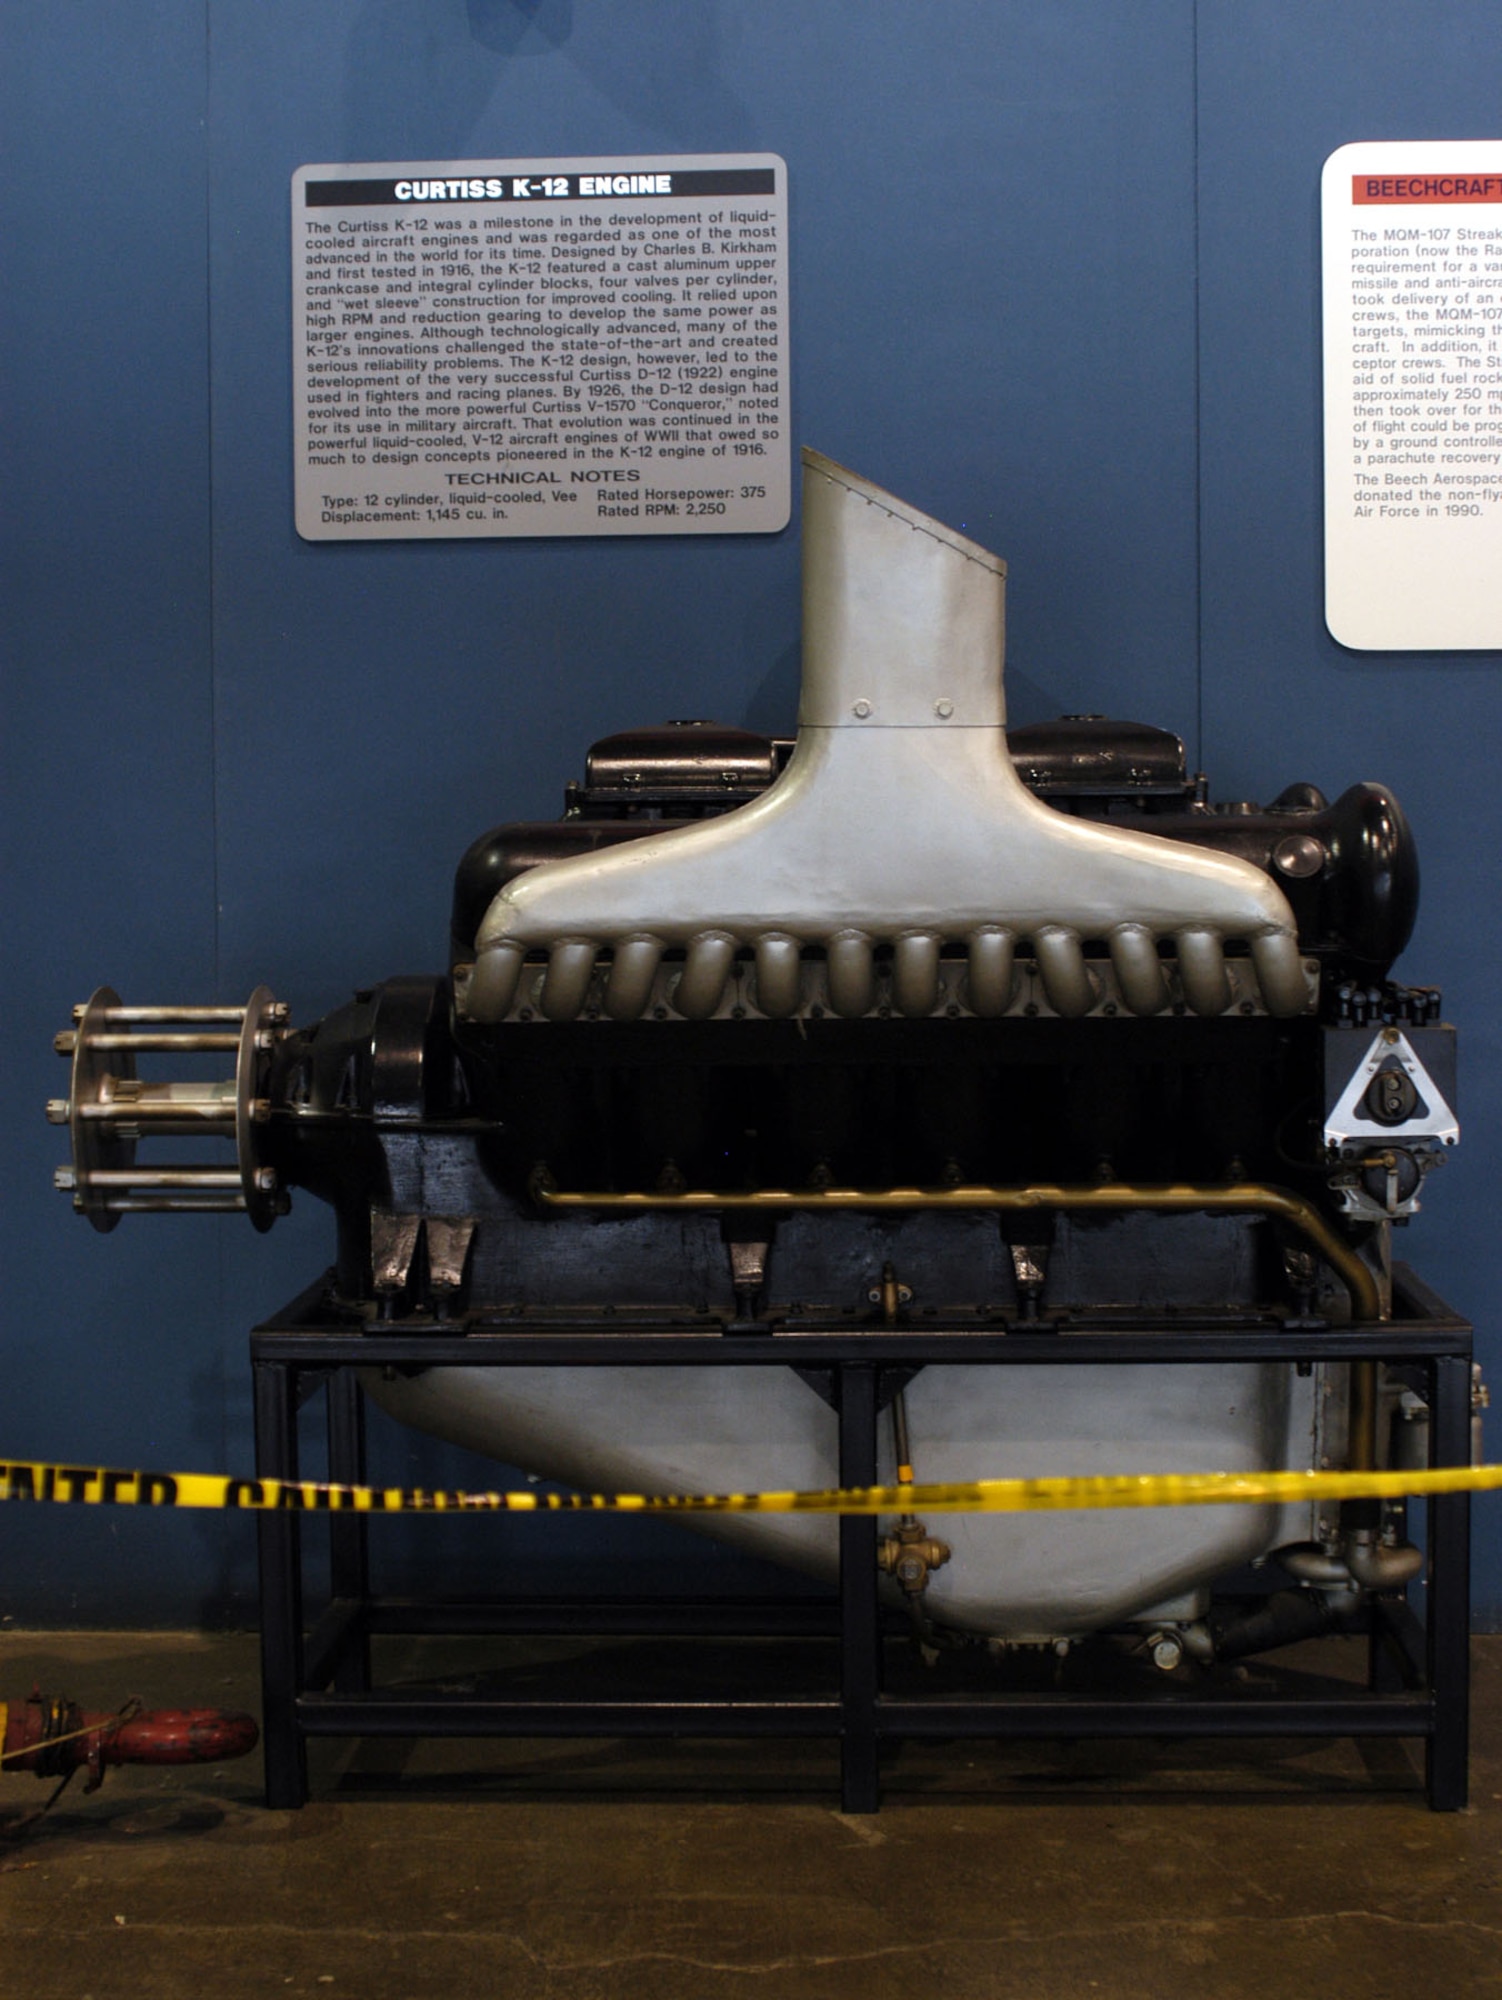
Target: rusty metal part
point(54, 1737)
point(1233, 1198)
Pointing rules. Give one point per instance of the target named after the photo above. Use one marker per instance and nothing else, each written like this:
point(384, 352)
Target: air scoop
point(899, 863)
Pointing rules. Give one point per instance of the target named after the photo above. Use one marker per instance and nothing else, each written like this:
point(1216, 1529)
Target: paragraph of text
point(1413, 395)
point(556, 347)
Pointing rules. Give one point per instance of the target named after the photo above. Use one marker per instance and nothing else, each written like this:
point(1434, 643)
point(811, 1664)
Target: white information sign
point(1412, 239)
point(541, 347)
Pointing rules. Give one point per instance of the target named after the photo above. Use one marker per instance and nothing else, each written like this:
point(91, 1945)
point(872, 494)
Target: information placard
point(541, 347)
point(1412, 237)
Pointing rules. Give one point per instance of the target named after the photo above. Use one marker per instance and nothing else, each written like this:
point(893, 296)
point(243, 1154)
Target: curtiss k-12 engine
point(901, 1022)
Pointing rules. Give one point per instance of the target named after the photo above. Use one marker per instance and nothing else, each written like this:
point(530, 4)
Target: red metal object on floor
point(55, 1737)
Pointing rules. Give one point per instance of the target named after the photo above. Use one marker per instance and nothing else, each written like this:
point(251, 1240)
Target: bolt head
point(943, 709)
point(1167, 1653)
point(861, 708)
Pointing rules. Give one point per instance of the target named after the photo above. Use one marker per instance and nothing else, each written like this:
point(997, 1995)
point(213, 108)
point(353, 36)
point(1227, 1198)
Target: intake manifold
point(899, 828)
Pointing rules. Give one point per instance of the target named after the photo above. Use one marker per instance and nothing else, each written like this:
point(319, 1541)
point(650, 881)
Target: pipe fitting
point(1379, 1565)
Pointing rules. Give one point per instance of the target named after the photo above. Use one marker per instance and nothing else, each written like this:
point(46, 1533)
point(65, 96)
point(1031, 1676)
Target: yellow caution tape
point(100, 1485)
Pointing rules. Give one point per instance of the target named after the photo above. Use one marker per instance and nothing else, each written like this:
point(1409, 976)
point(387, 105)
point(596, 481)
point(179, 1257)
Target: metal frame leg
point(349, 1537)
point(1392, 1666)
point(279, 1542)
point(860, 1615)
point(1449, 1615)
point(298, 1667)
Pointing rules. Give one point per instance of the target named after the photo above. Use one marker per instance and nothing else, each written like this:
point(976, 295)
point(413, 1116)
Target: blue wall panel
point(1030, 293)
point(108, 750)
point(1281, 85)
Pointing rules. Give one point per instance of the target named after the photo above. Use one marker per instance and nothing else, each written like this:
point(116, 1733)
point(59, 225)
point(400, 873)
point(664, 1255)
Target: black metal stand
point(317, 1682)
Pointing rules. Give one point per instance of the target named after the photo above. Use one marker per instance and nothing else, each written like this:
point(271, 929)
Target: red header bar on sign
point(1409, 188)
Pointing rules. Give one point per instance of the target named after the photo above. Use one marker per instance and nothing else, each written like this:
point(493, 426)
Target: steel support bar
point(279, 1540)
point(920, 1346)
point(340, 1630)
point(692, 1618)
point(387, 1714)
point(860, 1635)
point(1400, 1644)
point(309, 1349)
point(1449, 1612)
point(349, 1534)
point(1031, 1717)
point(1066, 1717)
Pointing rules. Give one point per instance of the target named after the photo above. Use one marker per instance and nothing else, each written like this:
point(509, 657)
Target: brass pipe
point(1236, 1198)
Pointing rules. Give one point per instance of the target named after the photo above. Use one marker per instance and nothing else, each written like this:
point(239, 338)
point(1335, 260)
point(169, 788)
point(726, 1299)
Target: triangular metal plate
point(1432, 1119)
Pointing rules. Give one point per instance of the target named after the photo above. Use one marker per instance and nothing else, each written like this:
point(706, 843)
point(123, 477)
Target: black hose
point(1281, 1620)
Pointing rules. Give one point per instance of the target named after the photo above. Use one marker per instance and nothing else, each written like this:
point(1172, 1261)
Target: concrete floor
point(711, 1871)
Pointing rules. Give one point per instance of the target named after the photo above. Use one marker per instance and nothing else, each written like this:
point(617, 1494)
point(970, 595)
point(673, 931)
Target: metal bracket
point(1353, 1117)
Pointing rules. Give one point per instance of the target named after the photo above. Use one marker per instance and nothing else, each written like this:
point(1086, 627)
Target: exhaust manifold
point(898, 828)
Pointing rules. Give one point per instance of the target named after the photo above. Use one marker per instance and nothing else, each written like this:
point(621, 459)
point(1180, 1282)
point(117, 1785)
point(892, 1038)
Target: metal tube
point(1202, 971)
point(124, 1016)
point(160, 1177)
point(191, 1113)
point(168, 1044)
point(1236, 1198)
point(900, 1442)
point(706, 967)
point(629, 985)
point(176, 1204)
point(570, 969)
point(915, 973)
point(778, 972)
point(1362, 1445)
point(123, 1129)
point(990, 974)
point(851, 980)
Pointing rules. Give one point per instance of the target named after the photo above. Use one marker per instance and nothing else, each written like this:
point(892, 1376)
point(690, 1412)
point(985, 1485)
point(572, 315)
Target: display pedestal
point(316, 1679)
